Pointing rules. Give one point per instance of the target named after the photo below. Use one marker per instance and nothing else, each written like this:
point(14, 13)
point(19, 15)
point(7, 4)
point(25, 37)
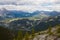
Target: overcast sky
point(30, 5)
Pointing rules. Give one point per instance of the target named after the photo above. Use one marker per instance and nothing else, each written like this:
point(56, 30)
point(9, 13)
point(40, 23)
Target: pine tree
point(58, 31)
point(20, 35)
point(33, 33)
point(26, 36)
point(39, 33)
point(49, 31)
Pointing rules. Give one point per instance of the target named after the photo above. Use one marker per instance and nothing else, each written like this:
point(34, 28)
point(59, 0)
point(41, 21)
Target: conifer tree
point(26, 36)
point(49, 31)
point(58, 31)
point(39, 33)
point(20, 35)
point(33, 33)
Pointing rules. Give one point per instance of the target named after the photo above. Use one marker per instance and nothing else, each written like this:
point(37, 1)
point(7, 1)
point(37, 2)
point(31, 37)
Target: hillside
point(49, 34)
point(41, 29)
point(52, 33)
point(27, 24)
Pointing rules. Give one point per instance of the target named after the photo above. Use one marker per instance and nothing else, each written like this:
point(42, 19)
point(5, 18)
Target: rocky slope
point(46, 36)
point(49, 34)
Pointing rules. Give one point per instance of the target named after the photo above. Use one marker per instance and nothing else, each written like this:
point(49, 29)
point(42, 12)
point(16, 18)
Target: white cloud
point(30, 2)
point(31, 5)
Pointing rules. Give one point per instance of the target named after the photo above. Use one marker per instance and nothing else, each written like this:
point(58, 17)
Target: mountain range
point(4, 13)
